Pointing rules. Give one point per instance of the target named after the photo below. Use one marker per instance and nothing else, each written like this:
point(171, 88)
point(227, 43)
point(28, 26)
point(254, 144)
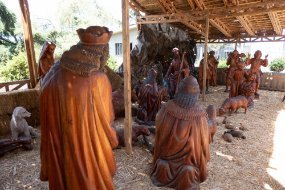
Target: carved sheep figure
point(19, 126)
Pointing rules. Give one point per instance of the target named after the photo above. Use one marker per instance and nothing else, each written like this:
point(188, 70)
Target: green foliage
point(112, 63)
point(222, 63)
point(15, 69)
point(277, 65)
point(39, 39)
point(7, 26)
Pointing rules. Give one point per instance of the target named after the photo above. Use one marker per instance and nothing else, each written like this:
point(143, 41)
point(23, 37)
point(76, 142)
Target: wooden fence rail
point(14, 85)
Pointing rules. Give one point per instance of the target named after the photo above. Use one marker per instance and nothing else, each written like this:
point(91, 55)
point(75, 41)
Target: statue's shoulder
point(184, 113)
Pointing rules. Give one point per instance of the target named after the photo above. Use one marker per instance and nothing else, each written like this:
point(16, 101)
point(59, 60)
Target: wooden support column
point(29, 42)
point(127, 77)
point(205, 58)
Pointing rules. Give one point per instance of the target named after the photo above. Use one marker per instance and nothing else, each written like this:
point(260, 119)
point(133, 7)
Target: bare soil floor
point(242, 164)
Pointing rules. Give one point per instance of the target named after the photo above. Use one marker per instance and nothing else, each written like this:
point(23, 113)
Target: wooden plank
point(205, 59)
point(29, 43)
point(221, 27)
point(275, 22)
point(191, 4)
point(127, 77)
point(246, 25)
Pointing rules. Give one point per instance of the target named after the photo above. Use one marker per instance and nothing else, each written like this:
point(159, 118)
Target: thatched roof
point(228, 18)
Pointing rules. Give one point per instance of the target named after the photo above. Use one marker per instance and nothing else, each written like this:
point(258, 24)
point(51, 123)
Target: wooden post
point(205, 58)
point(127, 76)
point(29, 43)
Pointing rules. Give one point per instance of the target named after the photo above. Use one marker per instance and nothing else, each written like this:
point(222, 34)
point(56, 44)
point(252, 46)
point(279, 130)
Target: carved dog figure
point(136, 132)
point(19, 126)
point(233, 104)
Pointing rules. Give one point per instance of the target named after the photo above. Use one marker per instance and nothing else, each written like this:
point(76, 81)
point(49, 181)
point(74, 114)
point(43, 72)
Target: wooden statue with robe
point(46, 59)
point(76, 115)
point(182, 140)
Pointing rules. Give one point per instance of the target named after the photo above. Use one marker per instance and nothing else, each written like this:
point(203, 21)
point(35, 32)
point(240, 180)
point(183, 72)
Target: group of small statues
point(76, 115)
point(244, 82)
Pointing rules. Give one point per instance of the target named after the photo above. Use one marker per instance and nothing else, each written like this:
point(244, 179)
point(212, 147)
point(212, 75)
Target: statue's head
point(235, 53)
point(175, 51)
point(212, 53)
point(257, 54)
point(94, 35)
point(188, 92)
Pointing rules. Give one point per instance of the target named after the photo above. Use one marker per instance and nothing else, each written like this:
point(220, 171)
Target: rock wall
point(155, 44)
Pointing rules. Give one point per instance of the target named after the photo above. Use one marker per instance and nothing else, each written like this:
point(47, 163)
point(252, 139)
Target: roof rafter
point(200, 4)
point(221, 27)
point(275, 22)
point(240, 10)
point(191, 4)
point(246, 25)
point(136, 6)
point(217, 23)
point(169, 7)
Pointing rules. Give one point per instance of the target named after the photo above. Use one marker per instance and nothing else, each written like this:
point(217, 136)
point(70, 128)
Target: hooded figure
point(182, 140)
point(76, 114)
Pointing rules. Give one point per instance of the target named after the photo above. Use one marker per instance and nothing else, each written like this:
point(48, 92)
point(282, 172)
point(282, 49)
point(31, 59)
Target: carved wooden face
point(257, 54)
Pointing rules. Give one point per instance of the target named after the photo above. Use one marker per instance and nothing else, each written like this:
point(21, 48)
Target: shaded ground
point(239, 165)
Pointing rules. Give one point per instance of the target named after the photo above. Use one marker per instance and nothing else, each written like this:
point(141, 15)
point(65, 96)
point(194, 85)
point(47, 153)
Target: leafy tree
point(222, 63)
point(277, 65)
point(15, 69)
point(7, 26)
point(112, 63)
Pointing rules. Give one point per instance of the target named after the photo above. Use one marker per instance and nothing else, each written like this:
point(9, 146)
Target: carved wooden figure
point(46, 59)
point(76, 114)
point(178, 69)
point(247, 88)
point(213, 64)
point(236, 79)
point(149, 99)
point(182, 140)
point(201, 73)
point(255, 66)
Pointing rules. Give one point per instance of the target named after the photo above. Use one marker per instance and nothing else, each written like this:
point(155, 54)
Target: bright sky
point(46, 9)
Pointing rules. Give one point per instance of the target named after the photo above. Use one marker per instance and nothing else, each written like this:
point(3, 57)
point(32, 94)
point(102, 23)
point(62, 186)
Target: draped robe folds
point(76, 113)
point(181, 147)
point(149, 100)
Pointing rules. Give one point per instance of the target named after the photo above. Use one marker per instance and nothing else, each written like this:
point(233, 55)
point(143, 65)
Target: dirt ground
point(242, 164)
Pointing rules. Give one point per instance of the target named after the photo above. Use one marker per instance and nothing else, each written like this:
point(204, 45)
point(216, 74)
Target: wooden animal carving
point(136, 132)
point(233, 104)
point(19, 126)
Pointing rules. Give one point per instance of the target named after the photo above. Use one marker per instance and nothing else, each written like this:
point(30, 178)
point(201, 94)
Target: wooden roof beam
point(275, 22)
point(240, 10)
point(153, 19)
point(191, 4)
point(200, 4)
point(246, 25)
point(194, 26)
point(137, 7)
point(187, 21)
point(221, 27)
point(168, 6)
point(168, 18)
point(217, 23)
